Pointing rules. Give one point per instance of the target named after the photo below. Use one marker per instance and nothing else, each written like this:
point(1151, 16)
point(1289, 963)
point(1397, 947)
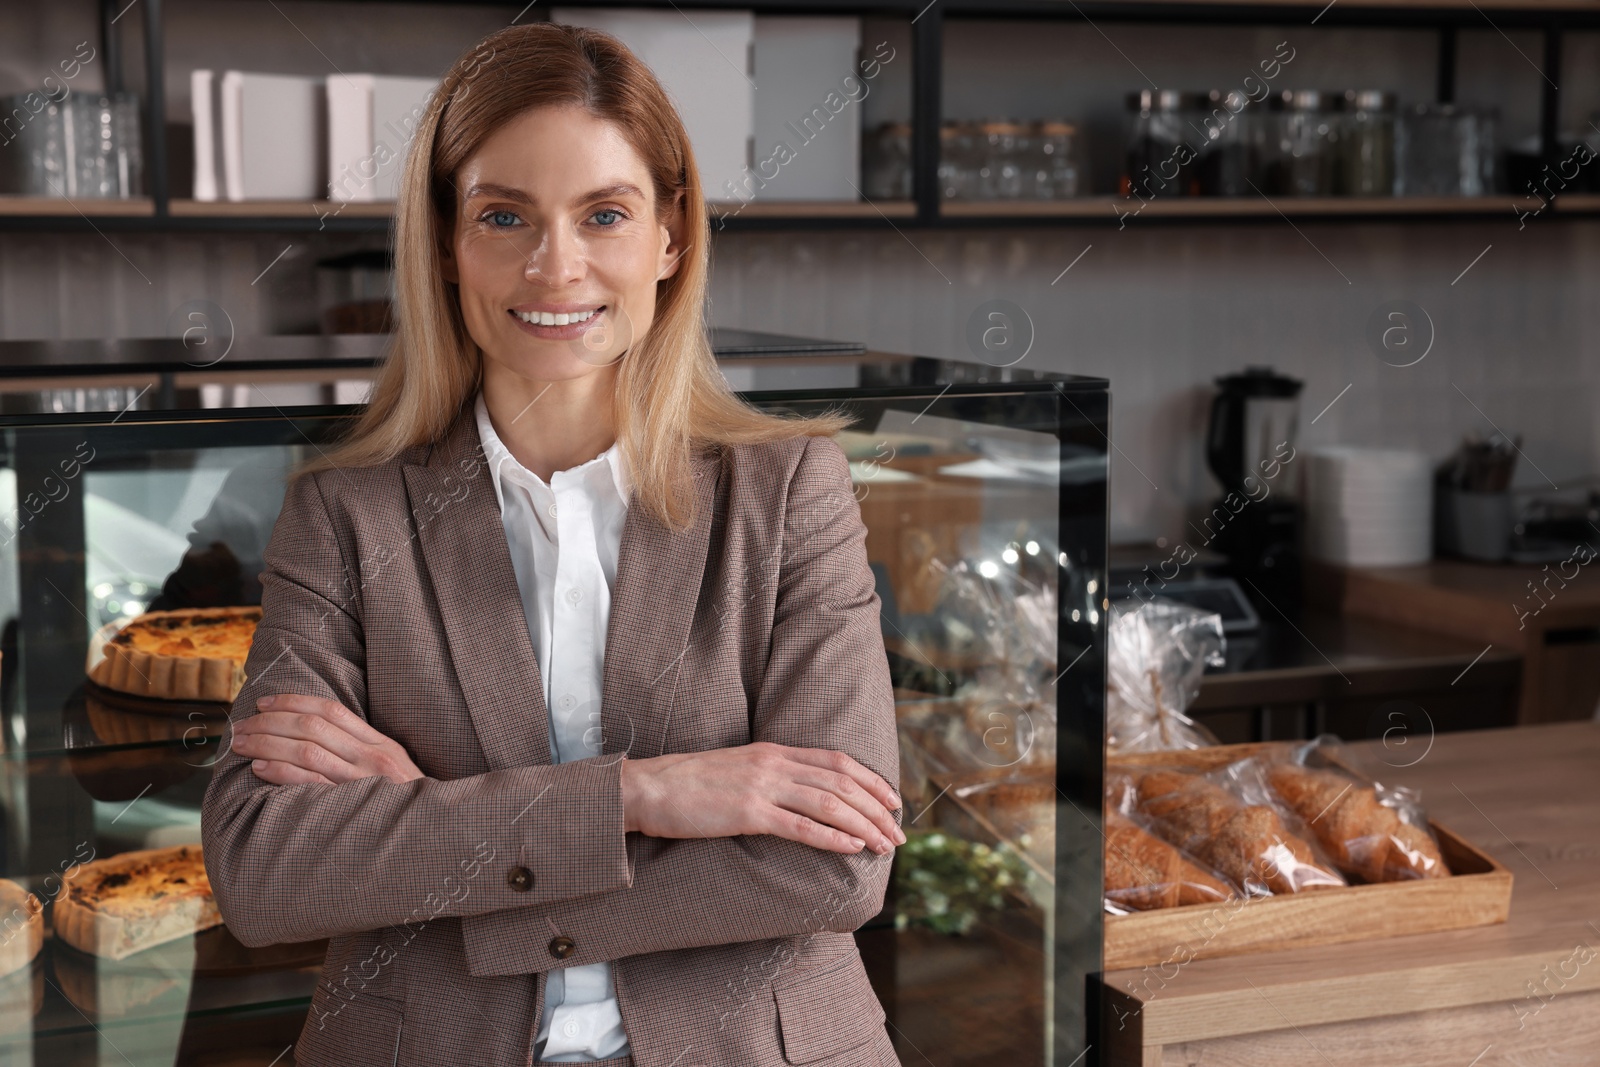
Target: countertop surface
point(1503, 602)
point(1527, 796)
point(1323, 655)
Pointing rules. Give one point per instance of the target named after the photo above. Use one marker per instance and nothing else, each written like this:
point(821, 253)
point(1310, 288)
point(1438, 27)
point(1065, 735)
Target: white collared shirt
point(566, 596)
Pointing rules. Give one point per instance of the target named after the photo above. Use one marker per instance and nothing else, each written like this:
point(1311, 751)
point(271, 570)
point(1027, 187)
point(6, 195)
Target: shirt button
point(567, 701)
point(570, 1028)
point(573, 596)
point(562, 947)
point(520, 879)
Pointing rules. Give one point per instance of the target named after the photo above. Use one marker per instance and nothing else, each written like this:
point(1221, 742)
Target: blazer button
point(520, 879)
point(562, 947)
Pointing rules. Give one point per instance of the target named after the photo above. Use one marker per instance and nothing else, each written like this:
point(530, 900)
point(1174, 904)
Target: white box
point(272, 139)
point(207, 133)
point(702, 60)
point(372, 120)
point(808, 99)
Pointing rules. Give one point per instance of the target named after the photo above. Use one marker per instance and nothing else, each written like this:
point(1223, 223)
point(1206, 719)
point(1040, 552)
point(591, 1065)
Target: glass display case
point(984, 494)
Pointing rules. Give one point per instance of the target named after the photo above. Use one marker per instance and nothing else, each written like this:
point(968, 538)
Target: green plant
point(946, 883)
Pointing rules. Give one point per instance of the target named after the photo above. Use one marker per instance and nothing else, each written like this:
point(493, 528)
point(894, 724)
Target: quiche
point(21, 926)
point(186, 654)
point(132, 901)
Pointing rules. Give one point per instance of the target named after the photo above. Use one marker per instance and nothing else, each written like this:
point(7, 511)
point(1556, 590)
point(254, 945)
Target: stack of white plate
point(1369, 507)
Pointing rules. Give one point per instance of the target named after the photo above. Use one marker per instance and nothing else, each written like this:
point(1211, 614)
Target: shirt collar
point(498, 456)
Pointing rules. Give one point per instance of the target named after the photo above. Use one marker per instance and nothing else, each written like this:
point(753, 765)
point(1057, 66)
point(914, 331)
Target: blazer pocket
point(827, 1010)
point(345, 1032)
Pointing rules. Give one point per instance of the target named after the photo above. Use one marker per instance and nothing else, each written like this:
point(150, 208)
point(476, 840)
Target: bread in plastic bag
point(1156, 651)
point(1248, 843)
point(1375, 837)
point(1006, 624)
point(1143, 872)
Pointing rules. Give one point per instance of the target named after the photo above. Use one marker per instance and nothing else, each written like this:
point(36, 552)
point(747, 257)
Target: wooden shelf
point(384, 209)
point(48, 214)
point(280, 209)
point(1358, 12)
point(1224, 207)
point(813, 209)
point(86, 207)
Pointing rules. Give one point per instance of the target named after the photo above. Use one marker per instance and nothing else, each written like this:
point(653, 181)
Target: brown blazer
point(448, 899)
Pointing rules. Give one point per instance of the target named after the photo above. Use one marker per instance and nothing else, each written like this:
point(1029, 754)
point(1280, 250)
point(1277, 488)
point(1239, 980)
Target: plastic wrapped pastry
point(1362, 835)
point(1248, 843)
point(1145, 872)
point(1155, 654)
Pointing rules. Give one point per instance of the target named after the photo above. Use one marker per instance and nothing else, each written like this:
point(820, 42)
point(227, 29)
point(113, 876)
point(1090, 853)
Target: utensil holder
point(1476, 525)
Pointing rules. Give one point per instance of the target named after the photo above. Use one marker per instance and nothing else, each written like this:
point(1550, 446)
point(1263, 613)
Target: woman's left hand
point(294, 739)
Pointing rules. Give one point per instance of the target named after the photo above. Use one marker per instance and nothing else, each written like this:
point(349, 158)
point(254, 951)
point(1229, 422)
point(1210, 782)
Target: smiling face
point(557, 245)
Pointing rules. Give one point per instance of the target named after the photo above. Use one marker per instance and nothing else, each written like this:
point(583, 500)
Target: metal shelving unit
point(160, 212)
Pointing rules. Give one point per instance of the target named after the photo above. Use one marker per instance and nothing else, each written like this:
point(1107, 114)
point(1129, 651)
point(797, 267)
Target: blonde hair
point(670, 397)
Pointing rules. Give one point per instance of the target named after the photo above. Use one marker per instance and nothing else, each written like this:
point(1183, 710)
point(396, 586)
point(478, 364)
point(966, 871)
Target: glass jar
point(1303, 159)
point(1445, 150)
point(958, 170)
point(999, 173)
point(1059, 172)
point(83, 145)
point(886, 163)
point(1367, 149)
point(1230, 152)
point(1159, 151)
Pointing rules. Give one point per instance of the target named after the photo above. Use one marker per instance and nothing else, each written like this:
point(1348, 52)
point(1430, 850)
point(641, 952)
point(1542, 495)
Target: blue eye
point(502, 218)
point(608, 211)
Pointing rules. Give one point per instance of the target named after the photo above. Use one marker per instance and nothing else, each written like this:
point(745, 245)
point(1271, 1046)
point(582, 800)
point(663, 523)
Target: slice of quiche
point(184, 654)
point(132, 901)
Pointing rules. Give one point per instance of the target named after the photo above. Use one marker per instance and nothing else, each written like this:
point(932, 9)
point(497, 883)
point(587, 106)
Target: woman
point(568, 719)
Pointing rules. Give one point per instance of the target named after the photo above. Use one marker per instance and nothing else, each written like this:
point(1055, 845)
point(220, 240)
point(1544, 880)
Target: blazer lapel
point(458, 523)
point(653, 602)
point(652, 608)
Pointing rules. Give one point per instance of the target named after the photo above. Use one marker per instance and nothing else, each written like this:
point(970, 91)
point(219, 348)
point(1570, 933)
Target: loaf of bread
point(1363, 837)
point(1245, 842)
point(1145, 872)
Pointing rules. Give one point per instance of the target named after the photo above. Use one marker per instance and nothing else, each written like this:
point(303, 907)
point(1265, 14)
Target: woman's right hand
point(811, 795)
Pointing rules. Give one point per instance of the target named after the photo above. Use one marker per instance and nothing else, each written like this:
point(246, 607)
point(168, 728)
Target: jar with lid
point(1304, 155)
point(886, 163)
point(1230, 152)
point(1160, 150)
point(1367, 143)
point(1059, 171)
point(958, 171)
point(1000, 145)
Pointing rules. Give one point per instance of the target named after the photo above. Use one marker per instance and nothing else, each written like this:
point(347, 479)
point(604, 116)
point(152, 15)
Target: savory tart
point(187, 654)
point(21, 926)
point(135, 900)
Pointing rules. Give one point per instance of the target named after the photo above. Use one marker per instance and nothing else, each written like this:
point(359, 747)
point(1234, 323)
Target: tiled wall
point(1161, 310)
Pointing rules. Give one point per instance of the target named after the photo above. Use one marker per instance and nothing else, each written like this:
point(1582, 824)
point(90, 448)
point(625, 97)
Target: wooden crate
point(1478, 893)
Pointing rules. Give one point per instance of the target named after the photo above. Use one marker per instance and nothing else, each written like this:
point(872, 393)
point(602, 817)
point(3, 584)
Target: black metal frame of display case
point(1074, 410)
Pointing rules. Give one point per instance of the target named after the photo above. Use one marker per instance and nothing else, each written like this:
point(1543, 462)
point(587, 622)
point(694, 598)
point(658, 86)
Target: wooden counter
point(1550, 615)
point(1357, 678)
point(1525, 992)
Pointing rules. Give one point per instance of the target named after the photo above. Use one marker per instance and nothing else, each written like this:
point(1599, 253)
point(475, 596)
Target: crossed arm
point(337, 818)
